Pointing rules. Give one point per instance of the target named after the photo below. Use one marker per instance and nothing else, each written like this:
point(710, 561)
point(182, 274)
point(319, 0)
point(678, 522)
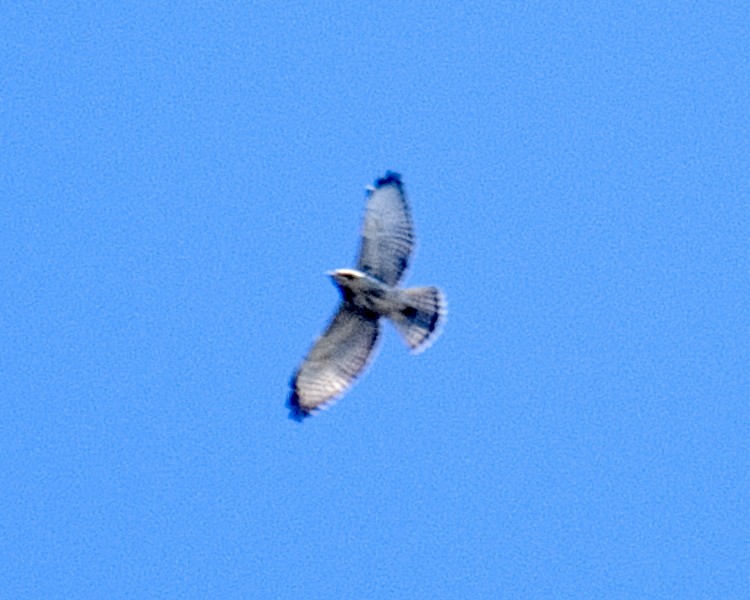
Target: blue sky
point(174, 182)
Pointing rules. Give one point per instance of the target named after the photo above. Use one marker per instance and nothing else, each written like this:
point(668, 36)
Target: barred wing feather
point(387, 232)
point(336, 359)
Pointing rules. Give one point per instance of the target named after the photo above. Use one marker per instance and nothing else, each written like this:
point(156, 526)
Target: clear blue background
point(175, 180)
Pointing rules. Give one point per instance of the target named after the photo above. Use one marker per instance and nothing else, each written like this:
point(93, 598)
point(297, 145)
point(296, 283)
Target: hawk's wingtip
point(296, 412)
point(390, 177)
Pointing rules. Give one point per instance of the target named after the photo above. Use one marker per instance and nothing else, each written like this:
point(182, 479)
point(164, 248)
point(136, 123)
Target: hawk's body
point(369, 293)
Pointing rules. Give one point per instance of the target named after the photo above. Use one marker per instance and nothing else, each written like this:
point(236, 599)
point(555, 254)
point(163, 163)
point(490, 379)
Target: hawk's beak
point(329, 273)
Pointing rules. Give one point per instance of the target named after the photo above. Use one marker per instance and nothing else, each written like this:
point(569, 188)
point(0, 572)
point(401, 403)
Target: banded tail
point(421, 320)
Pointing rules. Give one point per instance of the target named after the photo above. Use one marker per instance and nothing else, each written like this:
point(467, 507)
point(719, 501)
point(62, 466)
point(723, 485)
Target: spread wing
point(387, 232)
point(335, 360)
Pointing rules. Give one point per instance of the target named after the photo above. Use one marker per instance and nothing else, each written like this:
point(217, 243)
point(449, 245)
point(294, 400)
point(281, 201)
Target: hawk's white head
point(347, 274)
point(345, 277)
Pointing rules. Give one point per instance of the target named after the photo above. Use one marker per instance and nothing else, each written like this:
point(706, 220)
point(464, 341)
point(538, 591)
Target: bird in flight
point(368, 293)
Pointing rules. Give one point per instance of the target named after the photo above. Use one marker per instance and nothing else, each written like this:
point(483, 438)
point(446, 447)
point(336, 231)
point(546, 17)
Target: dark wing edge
point(334, 363)
point(387, 231)
point(389, 177)
point(296, 412)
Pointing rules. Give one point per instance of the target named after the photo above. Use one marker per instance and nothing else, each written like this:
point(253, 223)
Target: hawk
point(369, 293)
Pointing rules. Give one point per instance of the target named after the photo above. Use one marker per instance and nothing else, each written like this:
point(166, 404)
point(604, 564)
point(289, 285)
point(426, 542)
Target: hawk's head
point(349, 281)
point(344, 278)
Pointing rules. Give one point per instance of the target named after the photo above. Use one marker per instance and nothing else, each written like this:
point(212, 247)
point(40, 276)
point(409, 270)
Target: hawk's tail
point(421, 320)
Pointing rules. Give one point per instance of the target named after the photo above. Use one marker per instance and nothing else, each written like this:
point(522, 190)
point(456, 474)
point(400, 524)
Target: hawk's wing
point(387, 233)
point(335, 360)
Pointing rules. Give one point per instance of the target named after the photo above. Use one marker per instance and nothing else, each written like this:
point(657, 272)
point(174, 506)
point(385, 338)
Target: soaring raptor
point(369, 292)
